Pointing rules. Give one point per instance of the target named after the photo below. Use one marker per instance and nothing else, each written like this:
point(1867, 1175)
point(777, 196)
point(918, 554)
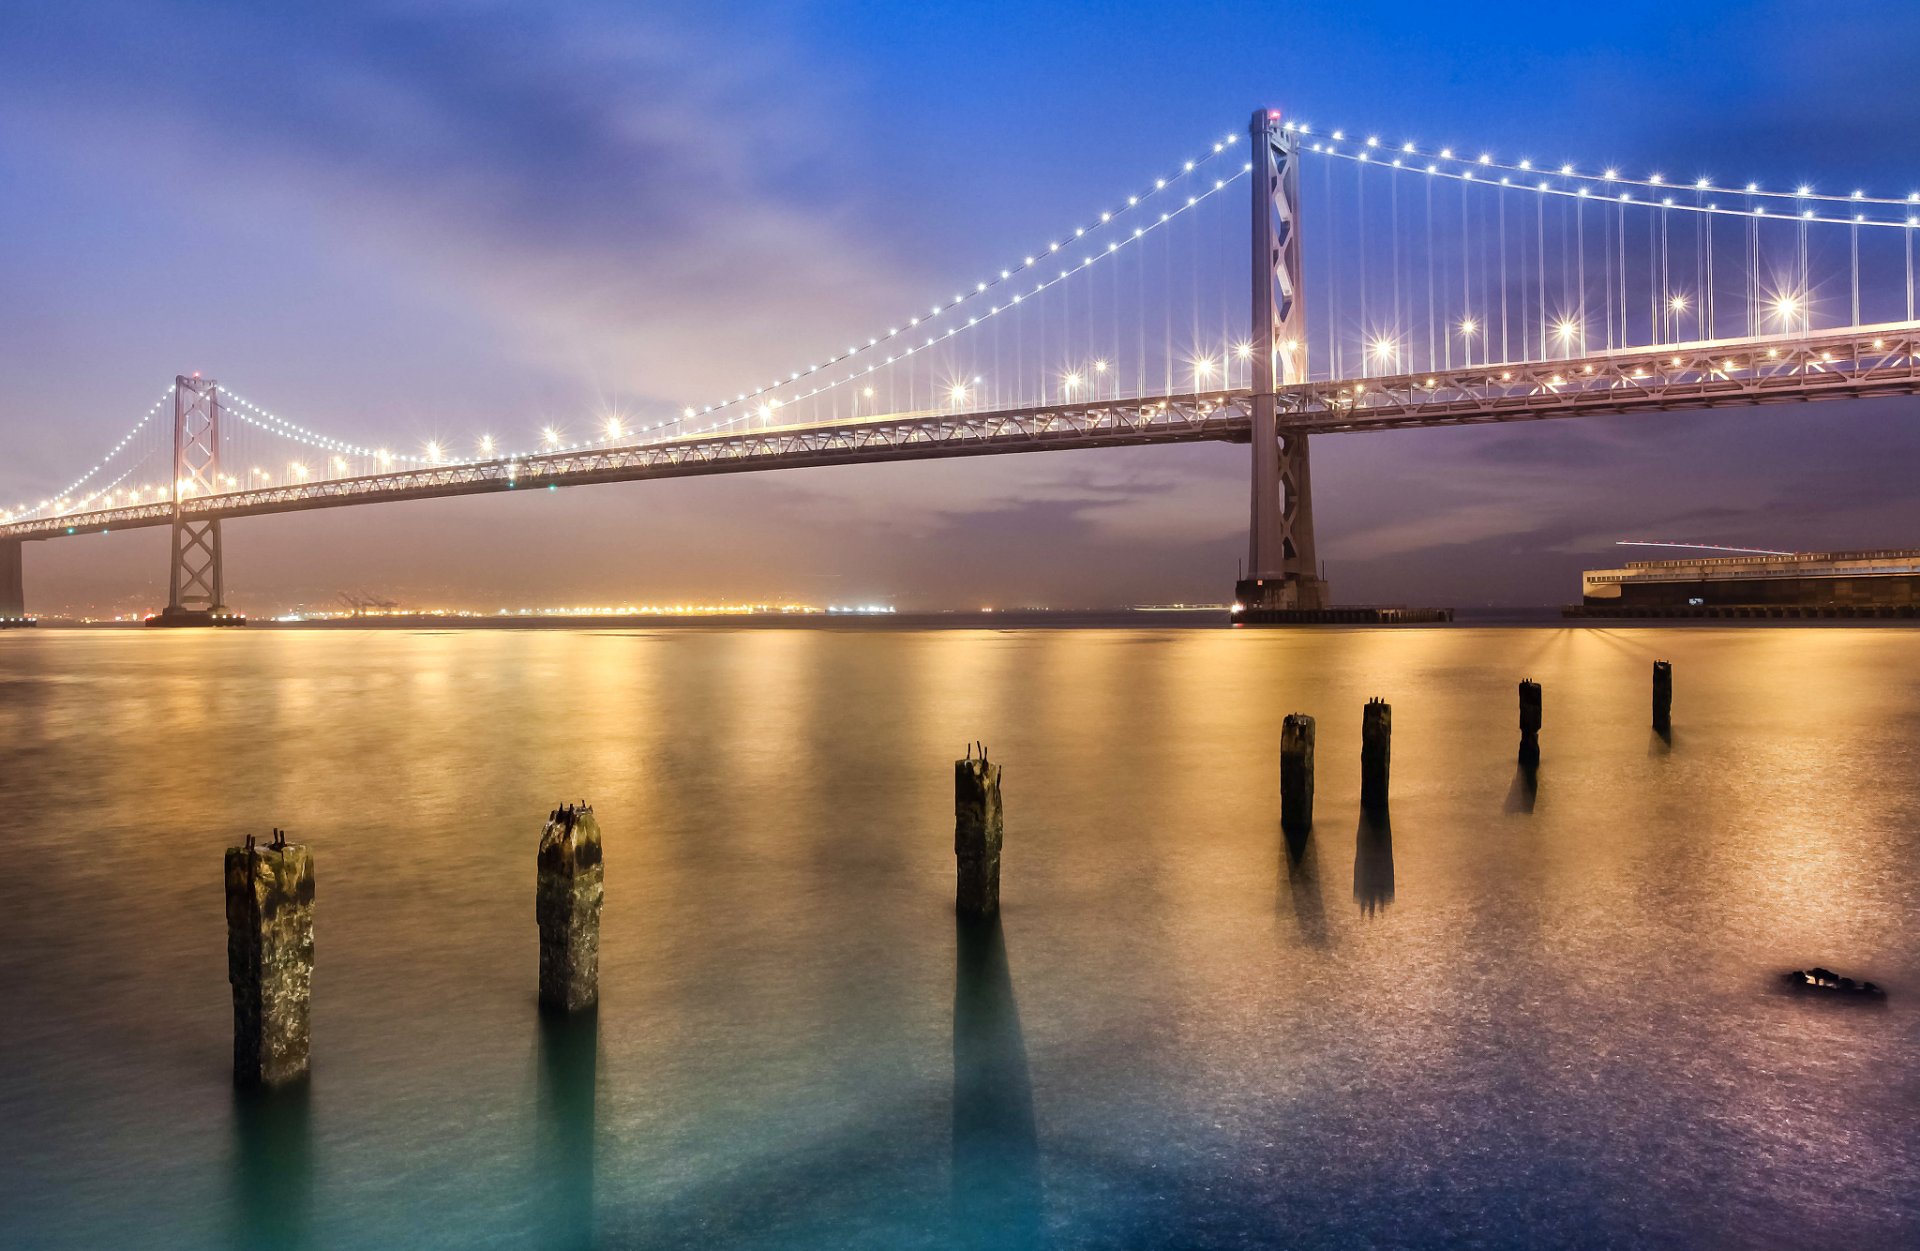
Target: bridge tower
point(1282, 570)
point(196, 588)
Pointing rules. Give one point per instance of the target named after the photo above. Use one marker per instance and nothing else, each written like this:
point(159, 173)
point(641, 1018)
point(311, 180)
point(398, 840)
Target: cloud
point(585, 177)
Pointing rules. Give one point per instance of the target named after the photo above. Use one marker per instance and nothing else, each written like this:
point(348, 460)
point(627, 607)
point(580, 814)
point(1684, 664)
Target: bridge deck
point(1868, 361)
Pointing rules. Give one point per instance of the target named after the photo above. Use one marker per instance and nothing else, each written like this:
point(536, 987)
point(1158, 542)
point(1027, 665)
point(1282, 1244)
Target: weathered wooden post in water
point(1662, 696)
point(1376, 753)
point(1296, 773)
point(567, 899)
point(270, 959)
point(1530, 723)
point(976, 834)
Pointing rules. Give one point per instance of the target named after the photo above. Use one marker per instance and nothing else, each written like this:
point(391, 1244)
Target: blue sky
point(396, 220)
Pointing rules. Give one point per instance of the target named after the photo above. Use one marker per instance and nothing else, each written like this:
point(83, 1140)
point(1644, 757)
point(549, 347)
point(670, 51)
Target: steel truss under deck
point(1871, 361)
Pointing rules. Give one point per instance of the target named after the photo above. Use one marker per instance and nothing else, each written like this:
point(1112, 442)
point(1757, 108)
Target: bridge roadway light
point(549, 436)
point(613, 428)
point(433, 453)
point(486, 445)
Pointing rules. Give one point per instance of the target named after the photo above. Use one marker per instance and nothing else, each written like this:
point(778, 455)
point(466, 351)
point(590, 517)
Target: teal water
point(1509, 1017)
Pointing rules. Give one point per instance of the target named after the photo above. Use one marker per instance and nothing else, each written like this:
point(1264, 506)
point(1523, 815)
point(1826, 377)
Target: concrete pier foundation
point(1529, 723)
point(1662, 696)
point(270, 959)
point(13, 586)
point(1376, 753)
point(567, 896)
point(1296, 773)
point(977, 834)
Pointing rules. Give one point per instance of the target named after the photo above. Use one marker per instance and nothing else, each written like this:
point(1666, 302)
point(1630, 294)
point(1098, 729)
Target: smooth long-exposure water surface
point(1514, 1018)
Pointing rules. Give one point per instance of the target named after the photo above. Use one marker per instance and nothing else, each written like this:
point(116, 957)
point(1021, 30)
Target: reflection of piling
point(1376, 753)
point(997, 1195)
point(1662, 696)
point(1296, 773)
point(569, 1054)
point(977, 833)
point(272, 1169)
point(567, 896)
point(1373, 861)
point(1529, 723)
point(270, 959)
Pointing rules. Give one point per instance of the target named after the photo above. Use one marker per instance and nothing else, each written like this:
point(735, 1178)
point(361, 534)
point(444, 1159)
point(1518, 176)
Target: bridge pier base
point(13, 588)
point(270, 959)
point(567, 896)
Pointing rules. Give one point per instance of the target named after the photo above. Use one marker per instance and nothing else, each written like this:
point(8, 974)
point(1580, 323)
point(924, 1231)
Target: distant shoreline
point(1154, 618)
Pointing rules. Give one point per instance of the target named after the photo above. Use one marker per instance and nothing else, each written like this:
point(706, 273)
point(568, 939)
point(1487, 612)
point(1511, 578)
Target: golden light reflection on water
point(1560, 1010)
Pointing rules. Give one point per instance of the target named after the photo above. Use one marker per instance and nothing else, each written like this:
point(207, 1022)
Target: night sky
point(400, 221)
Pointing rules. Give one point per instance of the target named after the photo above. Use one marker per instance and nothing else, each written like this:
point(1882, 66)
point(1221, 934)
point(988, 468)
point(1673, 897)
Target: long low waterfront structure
point(1883, 583)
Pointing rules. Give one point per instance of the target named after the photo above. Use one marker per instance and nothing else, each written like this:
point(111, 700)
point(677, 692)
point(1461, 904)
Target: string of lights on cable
point(1007, 276)
point(25, 511)
point(1607, 184)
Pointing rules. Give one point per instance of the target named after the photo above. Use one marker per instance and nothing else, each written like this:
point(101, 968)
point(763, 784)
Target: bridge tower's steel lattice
point(195, 585)
point(1282, 570)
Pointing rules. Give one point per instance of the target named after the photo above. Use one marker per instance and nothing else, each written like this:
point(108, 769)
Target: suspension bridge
point(1449, 287)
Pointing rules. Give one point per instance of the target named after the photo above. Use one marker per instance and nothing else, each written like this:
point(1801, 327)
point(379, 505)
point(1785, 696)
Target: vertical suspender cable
point(1500, 196)
point(1909, 270)
point(1620, 229)
point(1466, 278)
point(1360, 240)
point(1855, 242)
point(1540, 254)
point(1393, 216)
point(1333, 282)
point(1433, 260)
point(1706, 292)
point(1666, 281)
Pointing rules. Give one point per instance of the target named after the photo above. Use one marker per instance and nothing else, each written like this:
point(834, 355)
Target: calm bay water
point(1511, 1019)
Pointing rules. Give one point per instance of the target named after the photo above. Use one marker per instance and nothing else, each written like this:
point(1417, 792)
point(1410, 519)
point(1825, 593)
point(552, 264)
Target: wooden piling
point(568, 891)
point(270, 959)
point(977, 833)
point(1529, 723)
point(1662, 696)
point(1376, 753)
point(1296, 773)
